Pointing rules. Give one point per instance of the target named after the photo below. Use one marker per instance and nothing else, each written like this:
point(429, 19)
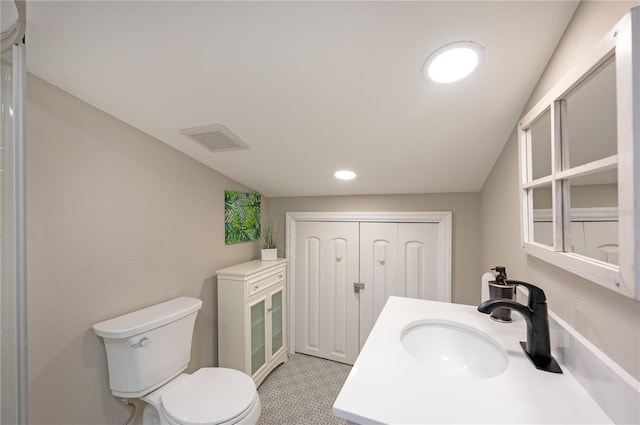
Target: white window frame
point(622, 43)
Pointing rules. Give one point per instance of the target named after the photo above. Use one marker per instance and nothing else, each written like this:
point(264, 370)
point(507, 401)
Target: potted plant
point(269, 242)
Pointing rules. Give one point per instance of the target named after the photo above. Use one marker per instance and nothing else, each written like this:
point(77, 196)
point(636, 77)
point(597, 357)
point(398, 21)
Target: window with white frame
point(579, 154)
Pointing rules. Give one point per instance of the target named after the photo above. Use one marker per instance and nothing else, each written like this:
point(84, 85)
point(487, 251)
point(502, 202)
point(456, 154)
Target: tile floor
point(302, 391)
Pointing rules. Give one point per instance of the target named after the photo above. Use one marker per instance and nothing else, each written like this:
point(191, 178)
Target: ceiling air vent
point(216, 138)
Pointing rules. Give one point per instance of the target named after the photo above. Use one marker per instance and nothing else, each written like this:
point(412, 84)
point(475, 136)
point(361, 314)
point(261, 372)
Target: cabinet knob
point(255, 286)
point(269, 309)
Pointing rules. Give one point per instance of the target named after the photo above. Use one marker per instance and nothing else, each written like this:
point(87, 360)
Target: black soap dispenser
point(499, 289)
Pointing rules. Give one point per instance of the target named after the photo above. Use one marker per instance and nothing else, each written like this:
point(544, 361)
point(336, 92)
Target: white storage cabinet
point(252, 318)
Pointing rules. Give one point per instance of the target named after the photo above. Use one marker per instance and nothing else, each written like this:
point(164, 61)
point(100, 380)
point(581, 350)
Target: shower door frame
point(13, 227)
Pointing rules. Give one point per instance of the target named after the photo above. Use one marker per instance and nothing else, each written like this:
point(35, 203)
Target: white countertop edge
point(613, 388)
point(388, 394)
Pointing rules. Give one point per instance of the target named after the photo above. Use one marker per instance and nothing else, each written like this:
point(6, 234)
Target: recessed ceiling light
point(345, 175)
point(453, 62)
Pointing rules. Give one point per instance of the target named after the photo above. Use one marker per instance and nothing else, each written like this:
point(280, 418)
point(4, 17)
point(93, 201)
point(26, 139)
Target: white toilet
point(146, 352)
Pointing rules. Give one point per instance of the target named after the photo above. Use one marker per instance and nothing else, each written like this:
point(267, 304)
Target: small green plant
point(269, 235)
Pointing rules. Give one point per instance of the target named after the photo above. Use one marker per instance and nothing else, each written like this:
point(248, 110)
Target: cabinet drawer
point(265, 282)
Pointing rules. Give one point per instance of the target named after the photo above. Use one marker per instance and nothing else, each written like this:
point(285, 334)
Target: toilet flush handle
point(143, 342)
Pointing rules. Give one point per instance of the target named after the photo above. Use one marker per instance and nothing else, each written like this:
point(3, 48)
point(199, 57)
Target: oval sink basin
point(454, 349)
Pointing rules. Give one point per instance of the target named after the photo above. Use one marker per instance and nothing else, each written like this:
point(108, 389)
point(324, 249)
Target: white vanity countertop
point(387, 385)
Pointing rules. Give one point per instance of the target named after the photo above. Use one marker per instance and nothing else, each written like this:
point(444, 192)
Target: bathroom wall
point(466, 226)
point(116, 221)
point(591, 196)
point(609, 320)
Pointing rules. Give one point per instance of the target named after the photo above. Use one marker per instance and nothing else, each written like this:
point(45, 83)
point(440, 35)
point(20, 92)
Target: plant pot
point(270, 254)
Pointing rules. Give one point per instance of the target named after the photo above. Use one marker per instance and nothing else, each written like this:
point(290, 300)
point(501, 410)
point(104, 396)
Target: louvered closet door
point(326, 305)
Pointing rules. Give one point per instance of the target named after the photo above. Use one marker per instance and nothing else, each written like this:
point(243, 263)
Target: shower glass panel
point(13, 376)
point(8, 336)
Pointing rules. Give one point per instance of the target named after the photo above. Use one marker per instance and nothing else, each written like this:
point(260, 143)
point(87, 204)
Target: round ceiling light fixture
point(345, 175)
point(453, 62)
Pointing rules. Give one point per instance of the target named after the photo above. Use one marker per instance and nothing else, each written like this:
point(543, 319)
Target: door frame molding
point(444, 219)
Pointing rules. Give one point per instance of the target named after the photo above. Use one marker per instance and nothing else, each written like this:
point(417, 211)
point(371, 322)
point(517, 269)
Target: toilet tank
point(148, 347)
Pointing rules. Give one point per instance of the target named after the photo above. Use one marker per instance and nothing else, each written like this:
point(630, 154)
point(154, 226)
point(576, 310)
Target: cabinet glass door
point(277, 322)
point(258, 337)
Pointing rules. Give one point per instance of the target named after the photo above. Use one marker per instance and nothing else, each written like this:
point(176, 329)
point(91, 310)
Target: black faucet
point(538, 345)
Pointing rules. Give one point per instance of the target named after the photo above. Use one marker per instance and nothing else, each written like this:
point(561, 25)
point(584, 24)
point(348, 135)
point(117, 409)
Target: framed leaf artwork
point(241, 217)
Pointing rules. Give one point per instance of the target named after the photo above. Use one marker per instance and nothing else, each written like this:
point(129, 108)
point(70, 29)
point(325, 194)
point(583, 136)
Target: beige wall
point(466, 226)
point(116, 221)
point(594, 196)
point(591, 196)
point(610, 321)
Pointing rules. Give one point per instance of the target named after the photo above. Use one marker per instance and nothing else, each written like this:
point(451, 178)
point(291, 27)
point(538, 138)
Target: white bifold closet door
point(333, 320)
point(326, 305)
point(395, 259)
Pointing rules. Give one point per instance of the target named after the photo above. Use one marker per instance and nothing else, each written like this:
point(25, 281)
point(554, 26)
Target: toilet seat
point(210, 396)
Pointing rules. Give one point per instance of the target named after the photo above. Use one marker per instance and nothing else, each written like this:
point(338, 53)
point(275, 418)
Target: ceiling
point(310, 87)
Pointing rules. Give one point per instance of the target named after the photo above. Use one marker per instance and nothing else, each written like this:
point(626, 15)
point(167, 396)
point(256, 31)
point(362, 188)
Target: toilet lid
point(209, 396)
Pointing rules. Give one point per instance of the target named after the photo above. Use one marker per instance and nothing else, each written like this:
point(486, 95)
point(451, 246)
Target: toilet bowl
point(209, 396)
point(147, 351)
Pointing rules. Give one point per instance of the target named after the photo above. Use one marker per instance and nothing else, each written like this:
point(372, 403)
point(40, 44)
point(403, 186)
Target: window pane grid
point(549, 211)
point(592, 136)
